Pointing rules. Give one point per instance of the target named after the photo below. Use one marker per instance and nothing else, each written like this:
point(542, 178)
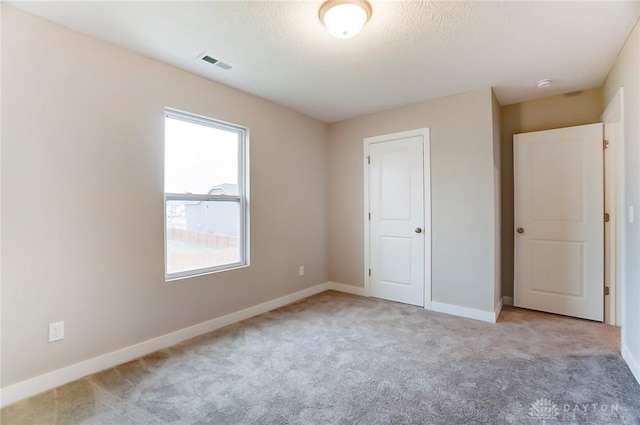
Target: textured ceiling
point(410, 51)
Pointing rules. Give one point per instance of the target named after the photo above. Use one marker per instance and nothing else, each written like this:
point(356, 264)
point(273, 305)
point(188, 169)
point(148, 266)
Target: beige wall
point(543, 114)
point(626, 73)
point(82, 198)
point(462, 187)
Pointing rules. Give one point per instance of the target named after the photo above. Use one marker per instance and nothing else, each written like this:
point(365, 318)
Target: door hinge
point(605, 144)
point(369, 160)
point(606, 290)
point(369, 272)
point(369, 216)
point(606, 217)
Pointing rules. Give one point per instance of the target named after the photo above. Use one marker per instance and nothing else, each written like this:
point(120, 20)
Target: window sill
point(204, 273)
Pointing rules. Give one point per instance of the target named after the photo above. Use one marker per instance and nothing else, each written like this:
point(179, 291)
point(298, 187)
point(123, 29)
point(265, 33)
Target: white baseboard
point(632, 362)
point(349, 289)
point(455, 310)
point(470, 313)
point(507, 300)
point(42, 383)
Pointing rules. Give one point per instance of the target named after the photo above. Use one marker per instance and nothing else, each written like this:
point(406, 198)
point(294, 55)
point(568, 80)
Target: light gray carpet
point(341, 359)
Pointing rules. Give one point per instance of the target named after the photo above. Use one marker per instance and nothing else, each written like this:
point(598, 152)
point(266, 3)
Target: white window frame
point(242, 199)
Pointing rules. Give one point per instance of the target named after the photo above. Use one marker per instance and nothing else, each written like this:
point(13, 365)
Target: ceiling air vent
point(205, 57)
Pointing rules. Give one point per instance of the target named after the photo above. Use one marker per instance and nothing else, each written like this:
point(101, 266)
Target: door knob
point(520, 230)
point(418, 230)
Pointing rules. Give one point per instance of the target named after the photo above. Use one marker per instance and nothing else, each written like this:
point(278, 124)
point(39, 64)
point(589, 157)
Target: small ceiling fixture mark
point(544, 83)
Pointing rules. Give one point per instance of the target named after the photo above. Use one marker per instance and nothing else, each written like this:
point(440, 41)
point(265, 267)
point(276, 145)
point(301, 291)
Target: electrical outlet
point(56, 331)
point(301, 271)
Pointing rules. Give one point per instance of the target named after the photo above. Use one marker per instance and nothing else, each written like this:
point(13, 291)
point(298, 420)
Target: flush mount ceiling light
point(543, 84)
point(345, 18)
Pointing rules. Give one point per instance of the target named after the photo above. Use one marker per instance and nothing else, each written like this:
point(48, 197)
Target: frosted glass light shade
point(344, 19)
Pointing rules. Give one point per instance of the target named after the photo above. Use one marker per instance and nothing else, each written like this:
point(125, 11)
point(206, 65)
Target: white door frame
point(424, 133)
point(614, 201)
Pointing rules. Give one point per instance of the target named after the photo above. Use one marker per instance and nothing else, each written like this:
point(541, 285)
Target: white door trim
point(614, 192)
point(424, 133)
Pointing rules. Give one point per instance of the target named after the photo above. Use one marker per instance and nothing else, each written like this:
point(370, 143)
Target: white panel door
point(559, 220)
point(397, 230)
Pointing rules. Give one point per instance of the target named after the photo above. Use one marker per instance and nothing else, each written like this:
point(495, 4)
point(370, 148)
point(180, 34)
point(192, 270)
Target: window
point(205, 192)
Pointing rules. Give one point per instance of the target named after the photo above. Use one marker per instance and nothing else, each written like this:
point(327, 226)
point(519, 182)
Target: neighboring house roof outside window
point(224, 189)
